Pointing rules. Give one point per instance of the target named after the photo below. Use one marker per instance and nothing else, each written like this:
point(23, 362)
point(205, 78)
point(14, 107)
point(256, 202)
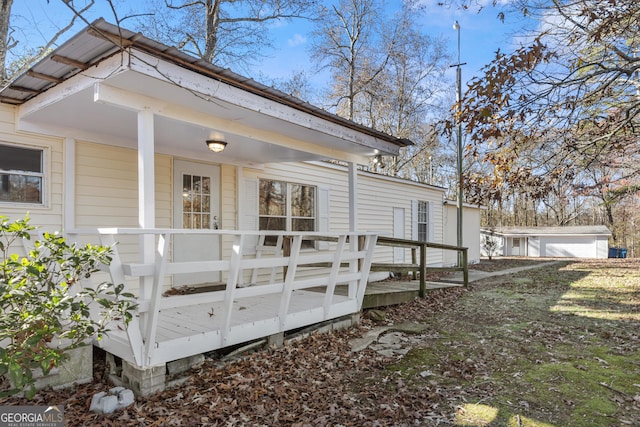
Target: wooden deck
point(197, 328)
point(268, 292)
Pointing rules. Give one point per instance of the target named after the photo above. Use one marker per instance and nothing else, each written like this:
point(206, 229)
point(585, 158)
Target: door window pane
point(196, 201)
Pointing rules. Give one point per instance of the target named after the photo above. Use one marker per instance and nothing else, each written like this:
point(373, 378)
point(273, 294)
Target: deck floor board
point(202, 318)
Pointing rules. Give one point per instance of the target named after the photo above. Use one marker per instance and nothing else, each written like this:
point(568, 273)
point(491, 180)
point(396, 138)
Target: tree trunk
point(211, 42)
point(5, 13)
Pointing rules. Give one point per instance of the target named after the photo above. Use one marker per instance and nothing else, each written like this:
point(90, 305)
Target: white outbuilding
point(590, 241)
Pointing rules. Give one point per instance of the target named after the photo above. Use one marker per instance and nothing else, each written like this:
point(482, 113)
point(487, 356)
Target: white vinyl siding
point(323, 214)
point(377, 197)
point(114, 171)
point(470, 232)
point(249, 211)
point(46, 215)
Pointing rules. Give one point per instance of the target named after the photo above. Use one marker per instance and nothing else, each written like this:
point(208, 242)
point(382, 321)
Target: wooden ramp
point(201, 327)
point(391, 292)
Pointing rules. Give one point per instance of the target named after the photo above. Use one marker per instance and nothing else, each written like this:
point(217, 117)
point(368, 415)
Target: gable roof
point(101, 40)
point(585, 230)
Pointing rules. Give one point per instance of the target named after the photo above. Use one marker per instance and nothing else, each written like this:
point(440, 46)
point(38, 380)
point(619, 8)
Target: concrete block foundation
point(144, 381)
point(77, 369)
point(149, 380)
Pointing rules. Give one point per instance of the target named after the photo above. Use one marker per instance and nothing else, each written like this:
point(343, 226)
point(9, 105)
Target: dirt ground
point(554, 346)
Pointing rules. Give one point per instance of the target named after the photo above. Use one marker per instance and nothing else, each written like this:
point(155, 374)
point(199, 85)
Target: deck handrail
point(422, 264)
point(354, 249)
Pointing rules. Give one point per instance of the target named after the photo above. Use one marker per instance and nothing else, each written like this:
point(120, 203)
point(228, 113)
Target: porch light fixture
point(216, 145)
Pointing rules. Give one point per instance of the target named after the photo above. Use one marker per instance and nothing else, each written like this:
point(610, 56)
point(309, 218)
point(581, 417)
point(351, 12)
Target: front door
point(398, 232)
point(196, 201)
point(515, 248)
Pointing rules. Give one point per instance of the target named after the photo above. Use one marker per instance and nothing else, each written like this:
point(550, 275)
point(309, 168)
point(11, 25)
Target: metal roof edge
point(121, 38)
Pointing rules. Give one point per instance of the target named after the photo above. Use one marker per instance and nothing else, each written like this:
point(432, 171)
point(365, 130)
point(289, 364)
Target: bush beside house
point(45, 312)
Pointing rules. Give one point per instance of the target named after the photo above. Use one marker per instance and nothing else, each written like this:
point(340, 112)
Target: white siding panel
point(48, 216)
point(250, 218)
point(323, 214)
point(107, 187)
point(107, 193)
point(228, 190)
point(470, 232)
point(602, 250)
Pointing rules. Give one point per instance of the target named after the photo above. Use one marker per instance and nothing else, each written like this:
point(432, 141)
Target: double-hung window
point(21, 174)
point(287, 206)
point(423, 221)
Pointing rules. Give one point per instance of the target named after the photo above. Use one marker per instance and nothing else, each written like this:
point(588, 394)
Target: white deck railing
point(272, 290)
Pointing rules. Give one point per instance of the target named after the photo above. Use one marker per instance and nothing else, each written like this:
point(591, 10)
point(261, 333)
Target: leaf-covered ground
point(555, 346)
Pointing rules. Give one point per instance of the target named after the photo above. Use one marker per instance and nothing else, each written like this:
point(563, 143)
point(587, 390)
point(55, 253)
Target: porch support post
point(353, 197)
point(353, 223)
point(146, 192)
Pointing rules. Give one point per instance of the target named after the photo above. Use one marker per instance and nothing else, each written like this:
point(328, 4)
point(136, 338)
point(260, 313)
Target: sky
point(481, 34)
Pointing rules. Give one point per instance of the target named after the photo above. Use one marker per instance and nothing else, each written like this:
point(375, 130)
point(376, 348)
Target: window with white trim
point(21, 174)
point(287, 206)
point(423, 221)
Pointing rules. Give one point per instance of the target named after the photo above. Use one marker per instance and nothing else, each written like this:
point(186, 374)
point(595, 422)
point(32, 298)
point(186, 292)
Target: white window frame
point(423, 221)
point(44, 190)
point(427, 209)
point(288, 208)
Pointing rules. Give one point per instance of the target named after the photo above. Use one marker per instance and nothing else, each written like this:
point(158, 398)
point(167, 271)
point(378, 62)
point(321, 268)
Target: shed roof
point(584, 230)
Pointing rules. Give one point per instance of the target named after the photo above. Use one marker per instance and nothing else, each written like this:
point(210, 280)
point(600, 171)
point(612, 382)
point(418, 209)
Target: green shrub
point(42, 300)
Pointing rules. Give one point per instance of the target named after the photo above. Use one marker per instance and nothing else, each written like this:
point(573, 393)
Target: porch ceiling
point(79, 116)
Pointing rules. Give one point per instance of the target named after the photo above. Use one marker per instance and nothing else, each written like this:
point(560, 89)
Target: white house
point(107, 139)
point(564, 242)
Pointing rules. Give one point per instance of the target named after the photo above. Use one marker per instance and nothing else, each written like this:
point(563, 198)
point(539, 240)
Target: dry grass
point(555, 346)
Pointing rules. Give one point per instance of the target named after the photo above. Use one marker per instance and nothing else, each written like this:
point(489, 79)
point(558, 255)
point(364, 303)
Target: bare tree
point(574, 85)
point(385, 74)
point(565, 101)
point(409, 93)
point(348, 41)
point(225, 32)
point(31, 55)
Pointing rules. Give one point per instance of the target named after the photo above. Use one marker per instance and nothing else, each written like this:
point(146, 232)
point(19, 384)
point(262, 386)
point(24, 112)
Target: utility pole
point(456, 26)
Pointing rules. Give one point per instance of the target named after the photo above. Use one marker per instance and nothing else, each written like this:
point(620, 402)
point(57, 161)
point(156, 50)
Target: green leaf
point(16, 374)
